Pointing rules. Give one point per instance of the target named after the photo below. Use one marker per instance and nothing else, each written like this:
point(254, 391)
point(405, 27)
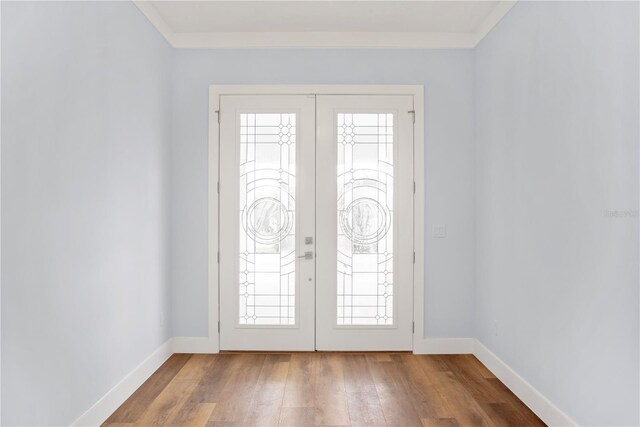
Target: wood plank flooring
point(328, 389)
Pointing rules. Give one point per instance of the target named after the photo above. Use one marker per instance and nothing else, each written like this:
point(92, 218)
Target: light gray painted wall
point(448, 79)
point(557, 133)
point(86, 128)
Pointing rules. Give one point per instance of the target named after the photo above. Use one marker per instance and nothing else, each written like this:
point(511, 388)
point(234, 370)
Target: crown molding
point(153, 15)
point(247, 40)
point(239, 40)
point(492, 20)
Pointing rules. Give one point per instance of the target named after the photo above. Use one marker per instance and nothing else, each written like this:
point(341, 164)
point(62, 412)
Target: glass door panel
point(365, 215)
point(267, 216)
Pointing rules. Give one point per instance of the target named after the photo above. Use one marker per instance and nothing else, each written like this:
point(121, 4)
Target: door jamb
point(215, 91)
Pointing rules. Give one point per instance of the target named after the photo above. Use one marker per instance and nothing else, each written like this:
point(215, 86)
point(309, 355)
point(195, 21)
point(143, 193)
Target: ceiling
point(324, 23)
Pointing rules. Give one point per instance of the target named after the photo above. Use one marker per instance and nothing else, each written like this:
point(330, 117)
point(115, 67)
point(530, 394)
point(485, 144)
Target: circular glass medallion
point(268, 220)
point(365, 221)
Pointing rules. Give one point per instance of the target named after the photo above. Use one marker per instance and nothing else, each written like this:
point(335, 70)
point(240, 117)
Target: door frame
point(215, 91)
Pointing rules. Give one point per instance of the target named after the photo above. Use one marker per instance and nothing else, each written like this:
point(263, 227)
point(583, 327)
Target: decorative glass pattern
point(267, 218)
point(365, 218)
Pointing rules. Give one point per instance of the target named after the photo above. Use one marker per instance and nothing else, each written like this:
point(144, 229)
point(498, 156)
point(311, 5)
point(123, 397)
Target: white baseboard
point(104, 407)
point(194, 345)
point(536, 401)
point(443, 346)
point(115, 397)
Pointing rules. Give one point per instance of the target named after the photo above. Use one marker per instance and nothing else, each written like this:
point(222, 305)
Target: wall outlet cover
point(439, 231)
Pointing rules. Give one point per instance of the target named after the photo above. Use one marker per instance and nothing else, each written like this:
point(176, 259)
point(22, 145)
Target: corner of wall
point(103, 408)
point(536, 401)
point(107, 405)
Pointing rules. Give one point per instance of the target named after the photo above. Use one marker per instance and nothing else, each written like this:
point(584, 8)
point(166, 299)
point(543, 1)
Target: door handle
point(307, 255)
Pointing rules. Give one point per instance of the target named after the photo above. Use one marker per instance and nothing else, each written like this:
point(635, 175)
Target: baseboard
point(536, 401)
point(444, 346)
point(194, 345)
point(104, 407)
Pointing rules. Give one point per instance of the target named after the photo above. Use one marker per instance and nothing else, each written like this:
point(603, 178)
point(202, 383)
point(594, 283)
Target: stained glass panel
point(365, 218)
point(267, 218)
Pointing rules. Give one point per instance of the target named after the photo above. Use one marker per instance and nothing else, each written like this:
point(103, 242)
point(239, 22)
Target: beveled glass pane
point(267, 218)
point(365, 218)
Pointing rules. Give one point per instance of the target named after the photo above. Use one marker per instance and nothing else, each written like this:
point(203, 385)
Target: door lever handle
point(307, 255)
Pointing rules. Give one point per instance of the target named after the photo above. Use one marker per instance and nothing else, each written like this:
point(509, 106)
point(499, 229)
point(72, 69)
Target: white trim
point(285, 89)
point(103, 408)
point(419, 197)
point(275, 40)
point(443, 346)
point(417, 91)
point(156, 19)
point(536, 401)
point(213, 221)
point(198, 345)
point(492, 20)
point(400, 40)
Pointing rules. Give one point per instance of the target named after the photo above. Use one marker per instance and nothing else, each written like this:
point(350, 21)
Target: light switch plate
point(439, 231)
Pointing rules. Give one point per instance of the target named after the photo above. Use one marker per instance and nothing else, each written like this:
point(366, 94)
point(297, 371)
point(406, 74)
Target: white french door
point(267, 208)
point(364, 153)
point(316, 222)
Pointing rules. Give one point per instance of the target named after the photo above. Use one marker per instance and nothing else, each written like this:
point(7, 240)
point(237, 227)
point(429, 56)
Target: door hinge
point(218, 187)
point(414, 257)
point(218, 326)
point(413, 327)
point(414, 187)
point(218, 114)
point(218, 257)
point(413, 113)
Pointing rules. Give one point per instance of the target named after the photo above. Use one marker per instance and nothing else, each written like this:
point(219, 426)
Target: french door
point(316, 222)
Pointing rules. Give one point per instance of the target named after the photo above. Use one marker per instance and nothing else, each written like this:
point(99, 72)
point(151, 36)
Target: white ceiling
point(324, 23)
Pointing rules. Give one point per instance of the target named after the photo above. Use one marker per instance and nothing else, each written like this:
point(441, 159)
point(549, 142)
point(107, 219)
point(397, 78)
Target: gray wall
point(557, 134)
point(85, 136)
point(448, 79)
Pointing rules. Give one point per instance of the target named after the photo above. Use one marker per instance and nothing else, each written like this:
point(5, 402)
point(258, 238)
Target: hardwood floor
point(336, 389)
